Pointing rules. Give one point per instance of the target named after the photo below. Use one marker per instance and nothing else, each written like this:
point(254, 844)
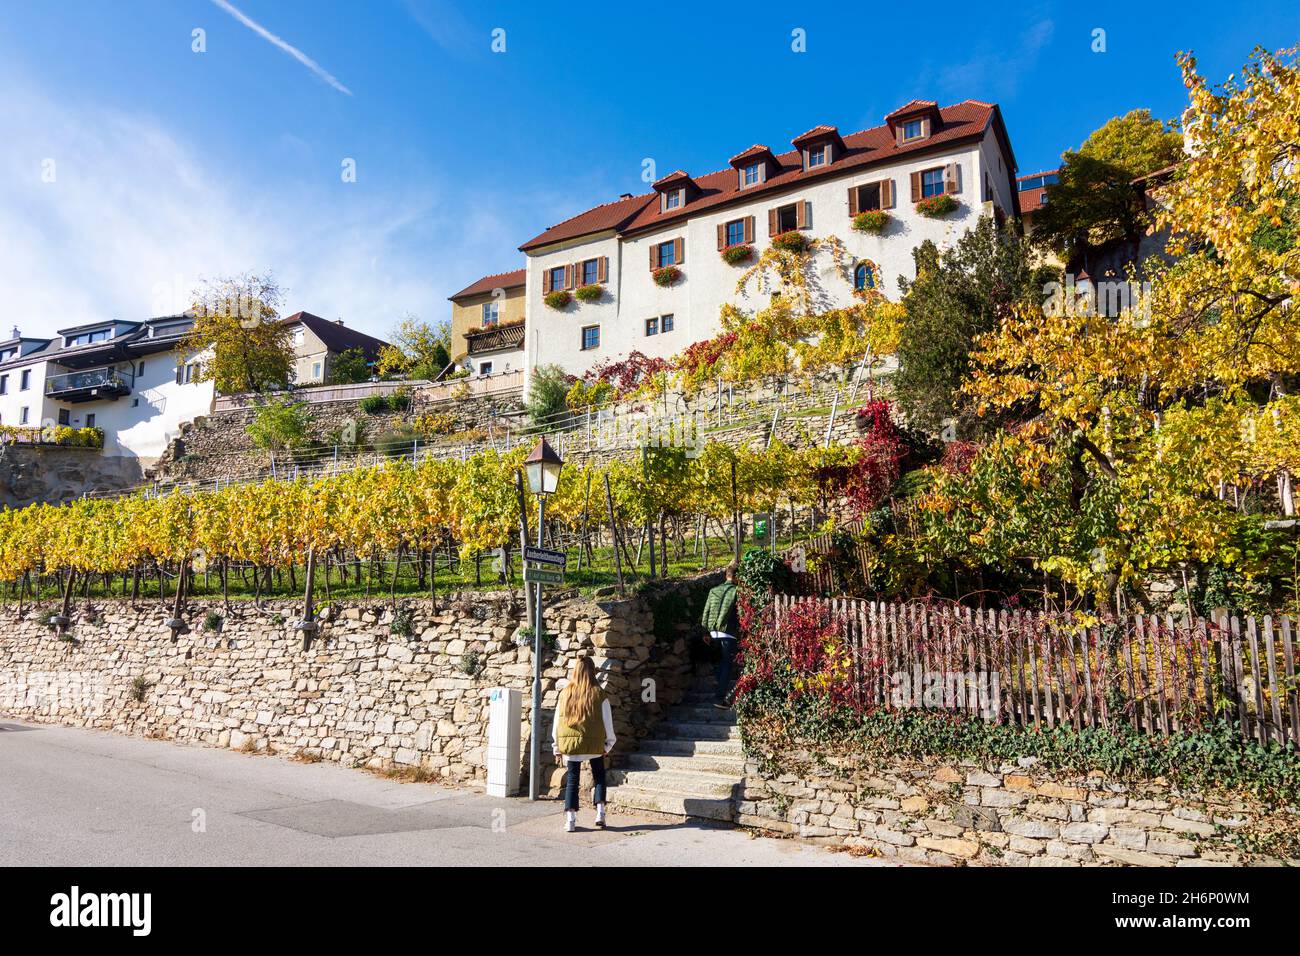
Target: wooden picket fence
point(1159, 673)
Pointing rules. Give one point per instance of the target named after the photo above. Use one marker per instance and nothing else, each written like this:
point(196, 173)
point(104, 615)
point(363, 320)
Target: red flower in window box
point(735, 255)
point(790, 241)
point(666, 276)
point(936, 207)
point(871, 220)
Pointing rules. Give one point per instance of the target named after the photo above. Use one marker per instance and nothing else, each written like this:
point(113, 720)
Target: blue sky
point(169, 165)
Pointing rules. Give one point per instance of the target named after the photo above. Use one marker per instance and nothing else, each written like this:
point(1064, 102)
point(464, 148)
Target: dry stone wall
point(1011, 815)
point(360, 695)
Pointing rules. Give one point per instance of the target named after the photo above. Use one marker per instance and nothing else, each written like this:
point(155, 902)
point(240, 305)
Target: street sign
point(536, 575)
point(546, 556)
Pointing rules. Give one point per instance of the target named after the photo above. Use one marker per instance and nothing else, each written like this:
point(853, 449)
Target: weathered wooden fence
point(1159, 673)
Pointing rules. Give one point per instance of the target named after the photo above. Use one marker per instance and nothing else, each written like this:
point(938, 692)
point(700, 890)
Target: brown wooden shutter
point(654, 256)
point(772, 220)
point(602, 269)
point(546, 281)
point(749, 228)
point(886, 194)
point(898, 134)
point(722, 235)
point(802, 213)
point(925, 127)
point(853, 200)
point(952, 178)
point(568, 276)
point(679, 251)
point(916, 186)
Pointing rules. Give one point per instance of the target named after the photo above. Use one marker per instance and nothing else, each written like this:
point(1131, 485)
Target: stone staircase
point(693, 768)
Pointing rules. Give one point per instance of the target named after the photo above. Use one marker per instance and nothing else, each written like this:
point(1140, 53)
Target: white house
point(127, 378)
point(921, 150)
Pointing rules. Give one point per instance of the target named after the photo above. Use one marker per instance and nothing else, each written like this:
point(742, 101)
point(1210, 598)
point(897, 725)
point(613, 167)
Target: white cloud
point(990, 75)
point(287, 47)
point(135, 217)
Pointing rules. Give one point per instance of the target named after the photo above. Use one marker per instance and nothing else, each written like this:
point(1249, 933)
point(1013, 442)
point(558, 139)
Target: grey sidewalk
point(81, 797)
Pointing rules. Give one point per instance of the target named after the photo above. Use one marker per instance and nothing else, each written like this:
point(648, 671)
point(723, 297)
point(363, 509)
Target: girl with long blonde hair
point(583, 730)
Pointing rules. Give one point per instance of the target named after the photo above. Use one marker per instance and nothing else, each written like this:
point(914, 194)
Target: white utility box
point(503, 742)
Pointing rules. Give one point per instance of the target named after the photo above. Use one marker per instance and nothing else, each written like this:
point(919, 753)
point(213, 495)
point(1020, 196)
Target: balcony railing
point(91, 382)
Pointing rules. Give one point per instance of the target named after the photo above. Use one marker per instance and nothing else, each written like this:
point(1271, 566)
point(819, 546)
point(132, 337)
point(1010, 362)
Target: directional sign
point(536, 575)
point(546, 556)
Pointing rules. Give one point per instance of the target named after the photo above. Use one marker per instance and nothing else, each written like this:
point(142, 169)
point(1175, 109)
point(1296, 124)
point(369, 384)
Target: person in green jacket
point(583, 730)
point(721, 623)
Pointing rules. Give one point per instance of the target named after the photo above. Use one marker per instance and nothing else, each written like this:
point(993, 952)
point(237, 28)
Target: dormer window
point(87, 338)
point(675, 191)
point(913, 129)
point(817, 156)
point(673, 199)
point(751, 175)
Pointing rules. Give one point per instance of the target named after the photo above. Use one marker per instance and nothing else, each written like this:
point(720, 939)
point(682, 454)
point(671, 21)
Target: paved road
point(78, 797)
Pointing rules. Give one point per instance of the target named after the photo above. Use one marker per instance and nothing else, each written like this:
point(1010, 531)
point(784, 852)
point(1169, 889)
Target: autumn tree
point(349, 367)
point(958, 295)
point(418, 349)
point(1095, 200)
point(1169, 414)
point(236, 323)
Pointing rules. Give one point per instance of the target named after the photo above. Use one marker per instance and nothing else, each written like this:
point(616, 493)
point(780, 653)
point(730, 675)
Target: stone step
point(693, 763)
point(703, 714)
point(708, 786)
point(674, 804)
point(680, 747)
point(699, 731)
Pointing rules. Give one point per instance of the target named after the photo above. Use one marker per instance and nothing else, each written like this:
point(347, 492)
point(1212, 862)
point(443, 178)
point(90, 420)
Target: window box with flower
point(592, 292)
point(558, 299)
point(871, 221)
point(666, 275)
point(735, 255)
point(790, 241)
point(936, 207)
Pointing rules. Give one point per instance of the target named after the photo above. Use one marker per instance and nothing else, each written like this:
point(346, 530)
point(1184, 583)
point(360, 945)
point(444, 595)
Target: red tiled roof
point(917, 105)
point(1045, 172)
point(816, 132)
point(671, 177)
point(502, 280)
point(965, 120)
point(758, 149)
point(1031, 200)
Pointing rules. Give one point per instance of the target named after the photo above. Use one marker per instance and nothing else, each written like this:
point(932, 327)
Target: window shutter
point(771, 222)
point(679, 251)
point(916, 186)
point(180, 373)
point(749, 228)
point(925, 127)
point(853, 200)
point(886, 194)
point(952, 178)
point(722, 235)
point(546, 281)
point(802, 214)
point(654, 256)
point(569, 270)
point(898, 134)
point(602, 269)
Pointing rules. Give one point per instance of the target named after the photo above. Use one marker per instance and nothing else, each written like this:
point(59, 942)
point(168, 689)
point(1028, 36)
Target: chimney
point(17, 334)
point(625, 196)
point(338, 321)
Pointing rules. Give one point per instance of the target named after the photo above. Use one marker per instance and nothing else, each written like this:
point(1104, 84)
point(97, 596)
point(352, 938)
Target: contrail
point(288, 48)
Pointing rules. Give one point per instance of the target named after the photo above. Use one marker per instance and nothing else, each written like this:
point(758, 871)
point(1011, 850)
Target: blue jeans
point(573, 776)
point(727, 648)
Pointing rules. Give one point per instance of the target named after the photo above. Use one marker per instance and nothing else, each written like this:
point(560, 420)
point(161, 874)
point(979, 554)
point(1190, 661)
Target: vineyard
point(396, 523)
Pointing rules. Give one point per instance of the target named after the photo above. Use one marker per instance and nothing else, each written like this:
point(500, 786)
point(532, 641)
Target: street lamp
point(542, 467)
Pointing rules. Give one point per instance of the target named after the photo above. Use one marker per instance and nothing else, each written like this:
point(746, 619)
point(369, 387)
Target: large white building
point(127, 378)
point(921, 150)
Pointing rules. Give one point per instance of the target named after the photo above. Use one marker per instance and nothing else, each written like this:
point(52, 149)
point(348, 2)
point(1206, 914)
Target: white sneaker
point(570, 821)
point(600, 815)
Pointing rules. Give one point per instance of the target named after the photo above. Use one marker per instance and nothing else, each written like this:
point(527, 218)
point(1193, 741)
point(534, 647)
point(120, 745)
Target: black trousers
point(573, 775)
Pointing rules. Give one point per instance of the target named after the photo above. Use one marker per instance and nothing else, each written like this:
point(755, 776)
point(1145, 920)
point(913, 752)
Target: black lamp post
point(542, 468)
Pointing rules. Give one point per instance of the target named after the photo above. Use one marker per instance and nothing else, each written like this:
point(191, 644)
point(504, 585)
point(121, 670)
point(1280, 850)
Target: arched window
point(864, 277)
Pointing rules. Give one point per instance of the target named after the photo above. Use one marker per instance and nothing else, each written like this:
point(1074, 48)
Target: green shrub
point(375, 404)
point(547, 394)
point(400, 400)
point(279, 425)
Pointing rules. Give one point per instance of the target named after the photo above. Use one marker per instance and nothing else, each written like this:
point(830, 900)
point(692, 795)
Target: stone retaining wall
point(360, 695)
point(1015, 815)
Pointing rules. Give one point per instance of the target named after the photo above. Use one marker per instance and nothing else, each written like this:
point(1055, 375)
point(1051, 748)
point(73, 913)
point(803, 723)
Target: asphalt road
point(74, 797)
